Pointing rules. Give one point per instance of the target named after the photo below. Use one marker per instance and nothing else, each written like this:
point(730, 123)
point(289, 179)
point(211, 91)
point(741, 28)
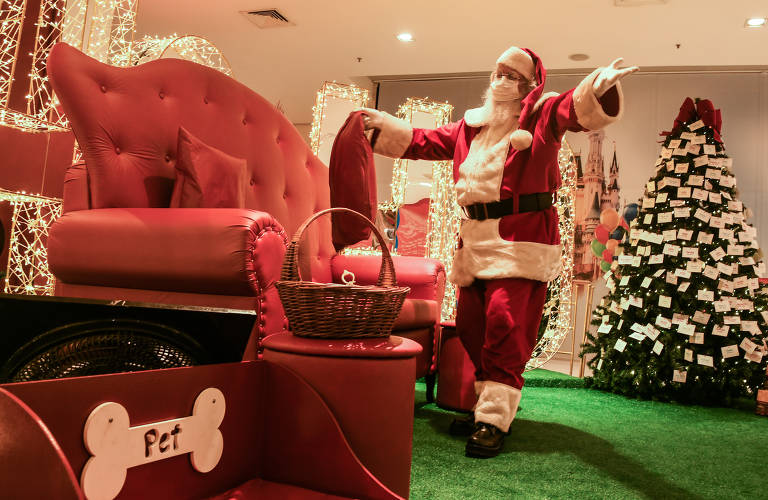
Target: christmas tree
point(684, 318)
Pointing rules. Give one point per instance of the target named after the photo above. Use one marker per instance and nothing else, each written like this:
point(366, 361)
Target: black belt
point(498, 209)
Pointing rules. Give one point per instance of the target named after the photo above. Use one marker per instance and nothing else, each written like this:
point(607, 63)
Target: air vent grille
point(267, 18)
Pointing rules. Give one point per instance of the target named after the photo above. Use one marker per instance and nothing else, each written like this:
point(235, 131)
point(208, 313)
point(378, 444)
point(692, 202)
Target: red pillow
point(207, 177)
point(352, 179)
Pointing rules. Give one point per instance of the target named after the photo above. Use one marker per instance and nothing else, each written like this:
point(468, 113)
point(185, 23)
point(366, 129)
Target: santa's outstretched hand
point(608, 76)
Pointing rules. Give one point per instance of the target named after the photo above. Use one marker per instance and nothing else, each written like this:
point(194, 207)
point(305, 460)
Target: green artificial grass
point(547, 378)
point(583, 443)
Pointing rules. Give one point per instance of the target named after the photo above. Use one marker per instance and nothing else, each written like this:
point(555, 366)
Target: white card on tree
point(705, 238)
point(620, 345)
point(605, 328)
point(720, 305)
point(706, 360)
point(658, 347)
point(730, 351)
point(686, 329)
point(721, 330)
point(663, 322)
point(748, 345)
point(717, 253)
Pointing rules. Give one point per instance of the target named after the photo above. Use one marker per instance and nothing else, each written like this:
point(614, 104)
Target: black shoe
point(486, 441)
point(462, 426)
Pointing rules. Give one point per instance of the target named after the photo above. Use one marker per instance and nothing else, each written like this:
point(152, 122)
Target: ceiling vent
point(267, 18)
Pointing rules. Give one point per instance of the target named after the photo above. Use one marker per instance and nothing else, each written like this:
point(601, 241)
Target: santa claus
point(506, 173)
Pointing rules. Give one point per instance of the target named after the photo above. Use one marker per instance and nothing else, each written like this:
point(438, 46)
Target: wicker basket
point(330, 310)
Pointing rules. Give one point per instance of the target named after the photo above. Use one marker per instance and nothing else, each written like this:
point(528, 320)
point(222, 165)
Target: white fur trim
point(395, 137)
point(521, 139)
point(543, 99)
point(497, 404)
point(485, 255)
point(479, 387)
point(519, 60)
point(481, 172)
point(478, 390)
point(476, 117)
point(589, 112)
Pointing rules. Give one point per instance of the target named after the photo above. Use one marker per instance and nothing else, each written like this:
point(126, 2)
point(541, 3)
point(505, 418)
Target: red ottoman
point(369, 385)
point(455, 372)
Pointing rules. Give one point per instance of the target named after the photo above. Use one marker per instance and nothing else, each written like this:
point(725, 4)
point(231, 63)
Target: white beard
point(499, 114)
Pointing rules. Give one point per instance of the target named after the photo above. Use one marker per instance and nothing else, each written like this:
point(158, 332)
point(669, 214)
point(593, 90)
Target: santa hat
point(522, 138)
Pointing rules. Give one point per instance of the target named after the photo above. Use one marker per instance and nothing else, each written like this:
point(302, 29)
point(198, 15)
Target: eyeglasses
point(512, 77)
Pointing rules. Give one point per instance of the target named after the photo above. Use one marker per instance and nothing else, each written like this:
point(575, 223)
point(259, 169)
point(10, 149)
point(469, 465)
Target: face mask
point(504, 90)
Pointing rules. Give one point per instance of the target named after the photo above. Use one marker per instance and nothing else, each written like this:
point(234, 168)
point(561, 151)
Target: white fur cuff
point(497, 404)
point(589, 112)
point(395, 137)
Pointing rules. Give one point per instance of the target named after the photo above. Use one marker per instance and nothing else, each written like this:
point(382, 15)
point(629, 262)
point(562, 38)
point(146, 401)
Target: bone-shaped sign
point(115, 446)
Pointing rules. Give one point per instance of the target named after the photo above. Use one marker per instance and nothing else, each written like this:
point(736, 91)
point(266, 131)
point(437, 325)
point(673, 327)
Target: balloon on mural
point(609, 219)
point(610, 233)
point(601, 234)
point(597, 248)
point(630, 212)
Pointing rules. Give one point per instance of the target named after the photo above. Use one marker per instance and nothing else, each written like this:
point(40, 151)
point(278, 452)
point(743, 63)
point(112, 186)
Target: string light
point(558, 309)
point(352, 93)
point(197, 49)
point(27, 272)
point(110, 40)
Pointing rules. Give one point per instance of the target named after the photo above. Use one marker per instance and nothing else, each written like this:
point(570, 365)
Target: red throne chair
point(118, 238)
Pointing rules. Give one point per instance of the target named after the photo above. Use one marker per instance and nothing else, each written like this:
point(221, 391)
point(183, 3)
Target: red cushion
point(352, 179)
point(417, 313)
point(207, 177)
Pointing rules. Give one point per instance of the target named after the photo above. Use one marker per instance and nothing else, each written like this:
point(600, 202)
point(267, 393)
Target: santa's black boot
point(486, 441)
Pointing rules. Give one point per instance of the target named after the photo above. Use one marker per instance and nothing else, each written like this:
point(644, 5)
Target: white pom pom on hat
point(521, 139)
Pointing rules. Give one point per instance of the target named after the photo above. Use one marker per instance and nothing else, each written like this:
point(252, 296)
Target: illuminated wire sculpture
point(112, 25)
point(352, 93)
point(188, 47)
point(27, 272)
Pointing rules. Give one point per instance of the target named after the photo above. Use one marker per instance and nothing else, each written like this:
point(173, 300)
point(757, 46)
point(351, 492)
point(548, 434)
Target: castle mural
point(594, 193)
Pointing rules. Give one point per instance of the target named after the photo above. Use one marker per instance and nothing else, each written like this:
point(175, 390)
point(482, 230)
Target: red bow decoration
point(704, 110)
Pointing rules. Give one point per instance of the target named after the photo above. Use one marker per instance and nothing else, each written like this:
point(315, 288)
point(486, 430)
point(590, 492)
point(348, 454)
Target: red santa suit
point(503, 264)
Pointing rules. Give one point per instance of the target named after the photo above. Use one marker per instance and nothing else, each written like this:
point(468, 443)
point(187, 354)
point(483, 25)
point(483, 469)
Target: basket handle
point(290, 269)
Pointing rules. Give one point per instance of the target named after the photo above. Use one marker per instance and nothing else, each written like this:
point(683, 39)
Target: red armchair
point(117, 238)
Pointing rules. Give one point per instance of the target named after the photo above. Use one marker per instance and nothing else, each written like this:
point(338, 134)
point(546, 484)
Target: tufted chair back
point(127, 121)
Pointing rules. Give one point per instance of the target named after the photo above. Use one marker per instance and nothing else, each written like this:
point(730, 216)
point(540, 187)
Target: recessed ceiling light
point(578, 57)
point(405, 37)
point(755, 22)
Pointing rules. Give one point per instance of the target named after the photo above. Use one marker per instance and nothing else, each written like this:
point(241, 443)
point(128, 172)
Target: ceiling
point(289, 64)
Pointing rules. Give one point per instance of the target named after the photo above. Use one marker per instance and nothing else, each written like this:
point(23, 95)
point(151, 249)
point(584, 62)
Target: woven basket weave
point(330, 310)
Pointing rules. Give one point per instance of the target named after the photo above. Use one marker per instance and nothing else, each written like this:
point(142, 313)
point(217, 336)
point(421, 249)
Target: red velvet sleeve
point(433, 144)
point(559, 116)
